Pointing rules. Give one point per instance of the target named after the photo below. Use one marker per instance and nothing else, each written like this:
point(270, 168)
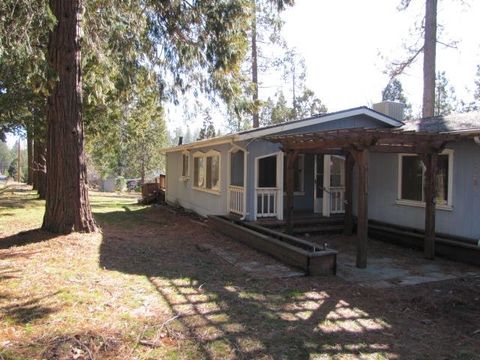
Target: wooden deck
point(307, 223)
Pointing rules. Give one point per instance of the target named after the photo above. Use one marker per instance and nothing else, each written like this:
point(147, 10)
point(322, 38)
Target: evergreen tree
point(394, 92)
point(188, 44)
point(307, 104)
point(207, 130)
point(445, 99)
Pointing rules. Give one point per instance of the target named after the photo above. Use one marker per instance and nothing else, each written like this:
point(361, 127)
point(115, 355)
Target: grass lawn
point(144, 289)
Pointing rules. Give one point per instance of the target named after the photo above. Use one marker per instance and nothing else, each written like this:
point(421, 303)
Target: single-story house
point(307, 166)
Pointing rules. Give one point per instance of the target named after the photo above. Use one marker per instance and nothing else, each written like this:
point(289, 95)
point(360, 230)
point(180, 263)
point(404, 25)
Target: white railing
point(337, 200)
point(266, 202)
point(236, 205)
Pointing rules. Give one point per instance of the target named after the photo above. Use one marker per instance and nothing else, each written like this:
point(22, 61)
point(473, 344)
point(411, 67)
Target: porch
point(356, 145)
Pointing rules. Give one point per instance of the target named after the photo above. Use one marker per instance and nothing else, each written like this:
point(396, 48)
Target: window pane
point(198, 172)
point(412, 174)
point(442, 179)
point(337, 166)
point(213, 172)
point(236, 168)
point(267, 172)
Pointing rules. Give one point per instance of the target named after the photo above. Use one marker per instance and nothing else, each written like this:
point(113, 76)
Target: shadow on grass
point(226, 313)
point(25, 238)
point(23, 312)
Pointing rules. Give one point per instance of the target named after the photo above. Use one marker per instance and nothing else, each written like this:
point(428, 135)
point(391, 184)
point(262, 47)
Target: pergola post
point(349, 163)
point(431, 160)
point(361, 158)
point(290, 156)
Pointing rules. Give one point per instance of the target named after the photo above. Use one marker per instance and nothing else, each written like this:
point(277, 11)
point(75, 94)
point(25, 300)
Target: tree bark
point(67, 205)
point(256, 117)
point(429, 54)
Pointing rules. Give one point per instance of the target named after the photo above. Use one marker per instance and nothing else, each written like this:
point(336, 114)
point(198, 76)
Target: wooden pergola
point(355, 144)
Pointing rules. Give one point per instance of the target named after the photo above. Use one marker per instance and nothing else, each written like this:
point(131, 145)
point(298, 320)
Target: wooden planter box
point(288, 249)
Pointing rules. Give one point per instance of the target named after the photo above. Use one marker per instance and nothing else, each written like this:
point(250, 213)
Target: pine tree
point(445, 99)
point(394, 92)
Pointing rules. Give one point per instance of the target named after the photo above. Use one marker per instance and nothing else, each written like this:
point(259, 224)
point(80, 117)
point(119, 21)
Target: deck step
point(304, 222)
point(319, 229)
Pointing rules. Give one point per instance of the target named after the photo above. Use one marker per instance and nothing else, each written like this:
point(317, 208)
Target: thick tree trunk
point(67, 205)
point(256, 120)
point(429, 54)
point(29, 155)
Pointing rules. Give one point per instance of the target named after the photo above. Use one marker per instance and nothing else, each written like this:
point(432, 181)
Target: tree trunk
point(29, 155)
point(256, 121)
point(67, 205)
point(429, 54)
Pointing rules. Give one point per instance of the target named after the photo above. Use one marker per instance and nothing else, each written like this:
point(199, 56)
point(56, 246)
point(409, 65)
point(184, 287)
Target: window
point(337, 171)
point(206, 171)
point(185, 165)
point(298, 173)
point(267, 172)
point(412, 179)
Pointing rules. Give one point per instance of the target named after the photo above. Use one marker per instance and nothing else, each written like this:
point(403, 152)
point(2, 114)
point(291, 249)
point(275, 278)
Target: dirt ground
point(147, 287)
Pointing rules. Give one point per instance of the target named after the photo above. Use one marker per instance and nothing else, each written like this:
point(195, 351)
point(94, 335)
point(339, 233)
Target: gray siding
point(181, 192)
point(462, 220)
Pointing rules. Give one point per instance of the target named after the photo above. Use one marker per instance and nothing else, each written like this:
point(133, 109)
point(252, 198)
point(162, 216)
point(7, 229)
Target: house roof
point(440, 124)
point(320, 118)
point(289, 125)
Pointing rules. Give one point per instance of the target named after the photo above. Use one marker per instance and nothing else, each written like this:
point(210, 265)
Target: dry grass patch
point(141, 289)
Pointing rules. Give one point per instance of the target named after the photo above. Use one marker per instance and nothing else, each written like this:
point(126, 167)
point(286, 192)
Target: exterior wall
point(304, 202)
point(462, 220)
point(181, 191)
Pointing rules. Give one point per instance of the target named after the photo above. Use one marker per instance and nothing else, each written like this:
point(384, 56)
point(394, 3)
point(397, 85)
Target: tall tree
point(394, 92)
point(429, 58)
point(192, 45)
point(428, 48)
point(67, 204)
point(207, 130)
point(307, 104)
point(445, 99)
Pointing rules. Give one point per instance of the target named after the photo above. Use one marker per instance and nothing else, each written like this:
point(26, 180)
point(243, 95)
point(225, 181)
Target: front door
point(337, 185)
point(329, 184)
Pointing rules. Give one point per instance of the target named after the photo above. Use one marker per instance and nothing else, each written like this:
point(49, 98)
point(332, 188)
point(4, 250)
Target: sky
point(348, 43)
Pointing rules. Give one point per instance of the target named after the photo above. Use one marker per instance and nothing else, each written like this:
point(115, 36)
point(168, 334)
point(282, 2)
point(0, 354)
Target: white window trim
point(449, 205)
point(186, 177)
point(210, 153)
